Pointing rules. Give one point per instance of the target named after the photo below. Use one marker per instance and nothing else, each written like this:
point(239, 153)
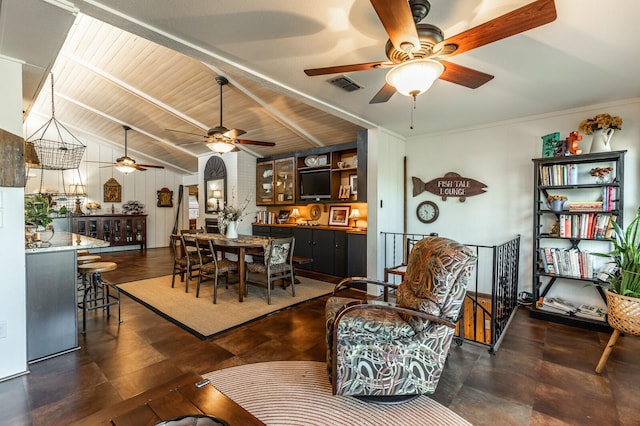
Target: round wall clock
point(427, 212)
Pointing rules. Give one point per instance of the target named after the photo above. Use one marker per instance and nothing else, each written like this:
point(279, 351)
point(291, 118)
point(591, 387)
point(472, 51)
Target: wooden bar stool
point(95, 292)
point(83, 252)
point(88, 258)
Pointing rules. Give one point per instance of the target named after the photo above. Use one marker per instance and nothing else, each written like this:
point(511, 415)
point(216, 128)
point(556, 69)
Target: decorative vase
point(46, 233)
point(557, 206)
point(600, 140)
point(232, 229)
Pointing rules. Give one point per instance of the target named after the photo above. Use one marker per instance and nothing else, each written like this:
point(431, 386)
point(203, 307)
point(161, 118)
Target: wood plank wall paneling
point(12, 169)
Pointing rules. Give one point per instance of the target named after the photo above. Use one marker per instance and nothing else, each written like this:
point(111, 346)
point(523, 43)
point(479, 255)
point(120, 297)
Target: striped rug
point(299, 393)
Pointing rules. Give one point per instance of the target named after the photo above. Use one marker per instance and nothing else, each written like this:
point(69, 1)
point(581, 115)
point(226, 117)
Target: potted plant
point(623, 295)
point(37, 215)
point(625, 279)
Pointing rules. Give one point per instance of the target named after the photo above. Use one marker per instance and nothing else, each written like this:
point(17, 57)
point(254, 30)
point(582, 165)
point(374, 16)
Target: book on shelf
point(608, 233)
point(585, 206)
point(584, 225)
point(563, 306)
point(591, 312)
point(571, 263)
point(558, 174)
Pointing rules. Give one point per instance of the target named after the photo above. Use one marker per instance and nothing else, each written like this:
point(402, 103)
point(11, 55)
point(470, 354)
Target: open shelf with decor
point(336, 173)
point(576, 199)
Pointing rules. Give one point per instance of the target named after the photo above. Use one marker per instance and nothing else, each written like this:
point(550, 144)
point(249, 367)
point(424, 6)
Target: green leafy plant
point(625, 279)
point(37, 211)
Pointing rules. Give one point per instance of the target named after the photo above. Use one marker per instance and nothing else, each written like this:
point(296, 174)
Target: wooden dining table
point(242, 246)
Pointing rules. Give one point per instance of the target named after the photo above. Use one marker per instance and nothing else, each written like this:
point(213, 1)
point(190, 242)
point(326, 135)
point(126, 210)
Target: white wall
point(241, 184)
point(499, 155)
point(385, 159)
point(13, 348)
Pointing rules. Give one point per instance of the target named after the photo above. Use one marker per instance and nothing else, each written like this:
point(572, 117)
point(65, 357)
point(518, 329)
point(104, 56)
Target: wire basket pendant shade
point(62, 153)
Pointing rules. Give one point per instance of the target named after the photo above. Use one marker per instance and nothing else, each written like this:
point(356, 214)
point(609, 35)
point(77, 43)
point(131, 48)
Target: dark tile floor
point(543, 374)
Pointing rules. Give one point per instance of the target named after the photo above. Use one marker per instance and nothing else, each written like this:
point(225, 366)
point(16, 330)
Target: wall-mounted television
point(315, 184)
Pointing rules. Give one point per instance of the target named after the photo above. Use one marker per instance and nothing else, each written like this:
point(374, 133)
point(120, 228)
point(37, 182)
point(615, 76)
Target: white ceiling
point(588, 55)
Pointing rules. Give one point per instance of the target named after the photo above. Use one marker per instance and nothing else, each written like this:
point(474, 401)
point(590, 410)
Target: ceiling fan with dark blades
point(219, 138)
point(126, 164)
point(418, 49)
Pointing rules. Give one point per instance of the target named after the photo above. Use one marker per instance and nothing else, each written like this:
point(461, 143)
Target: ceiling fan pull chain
point(413, 106)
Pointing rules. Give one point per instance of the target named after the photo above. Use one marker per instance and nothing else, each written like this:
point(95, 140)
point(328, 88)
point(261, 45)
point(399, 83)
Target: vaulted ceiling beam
point(136, 92)
point(121, 123)
point(122, 20)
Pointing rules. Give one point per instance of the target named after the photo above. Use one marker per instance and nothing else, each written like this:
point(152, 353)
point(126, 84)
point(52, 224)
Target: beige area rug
point(204, 319)
point(299, 393)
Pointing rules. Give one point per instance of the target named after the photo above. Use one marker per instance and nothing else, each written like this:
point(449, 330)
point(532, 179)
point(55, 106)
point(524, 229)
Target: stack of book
point(567, 262)
point(562, 306)
point(586, 225)
point(559, 174)
point(266, 217)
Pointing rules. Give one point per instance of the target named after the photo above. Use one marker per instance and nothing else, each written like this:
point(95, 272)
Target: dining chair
point(276, 265)
point(193, 257)
point(216, 267)
point(179, 259)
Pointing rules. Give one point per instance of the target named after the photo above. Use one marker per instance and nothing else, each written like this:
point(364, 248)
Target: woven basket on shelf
point(624, 313)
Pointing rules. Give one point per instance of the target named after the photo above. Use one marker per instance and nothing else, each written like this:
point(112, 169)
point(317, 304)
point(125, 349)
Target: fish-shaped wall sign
point(451, 185)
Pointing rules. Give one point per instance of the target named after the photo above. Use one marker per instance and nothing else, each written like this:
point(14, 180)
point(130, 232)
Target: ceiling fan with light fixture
point(126, 164)
point(220, 139)
point(416, 51)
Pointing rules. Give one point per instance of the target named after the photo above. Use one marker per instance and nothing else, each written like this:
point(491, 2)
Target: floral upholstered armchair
point(382, 349)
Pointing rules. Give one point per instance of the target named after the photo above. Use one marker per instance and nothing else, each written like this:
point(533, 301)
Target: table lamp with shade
point(355, 215)
point(78, 190)
point(217, 194)
point(295, 214)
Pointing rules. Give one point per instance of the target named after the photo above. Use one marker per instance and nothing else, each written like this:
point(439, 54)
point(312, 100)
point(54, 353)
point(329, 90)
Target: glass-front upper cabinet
point(284, 181)
point(264, 183)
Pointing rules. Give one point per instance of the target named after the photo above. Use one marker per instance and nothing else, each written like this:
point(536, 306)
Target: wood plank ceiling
point(105, 77)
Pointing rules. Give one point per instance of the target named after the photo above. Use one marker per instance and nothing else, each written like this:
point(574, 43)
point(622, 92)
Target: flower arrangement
point(600, 171)
point(551, 198)
point(600, 122)
point(230, 213)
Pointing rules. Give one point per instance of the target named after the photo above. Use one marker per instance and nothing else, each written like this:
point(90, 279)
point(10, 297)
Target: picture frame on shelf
point(344, 192)
point(339, 215)
point(283, 216)
point(353, 183)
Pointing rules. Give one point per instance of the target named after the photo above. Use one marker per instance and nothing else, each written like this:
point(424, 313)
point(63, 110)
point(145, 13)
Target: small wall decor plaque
point(451, 185)
point(165, 198)
point(112, 191)
point(549, 143)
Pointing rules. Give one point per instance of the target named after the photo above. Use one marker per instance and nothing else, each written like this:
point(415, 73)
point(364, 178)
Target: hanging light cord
point(413, 107)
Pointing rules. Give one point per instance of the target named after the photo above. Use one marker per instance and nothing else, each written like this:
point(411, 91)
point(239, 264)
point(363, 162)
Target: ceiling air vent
point(345, 83)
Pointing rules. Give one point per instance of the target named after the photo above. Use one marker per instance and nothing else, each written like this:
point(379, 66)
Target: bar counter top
point(62, 241)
